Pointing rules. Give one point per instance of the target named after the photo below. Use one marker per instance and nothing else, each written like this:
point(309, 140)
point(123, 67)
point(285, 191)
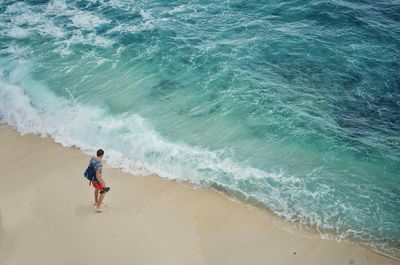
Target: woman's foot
point(99, 209)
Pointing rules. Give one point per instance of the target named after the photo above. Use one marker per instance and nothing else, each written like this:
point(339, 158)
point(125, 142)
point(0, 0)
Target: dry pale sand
point(47, 218)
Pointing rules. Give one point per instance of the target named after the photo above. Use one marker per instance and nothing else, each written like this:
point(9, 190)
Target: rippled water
point(294, 105)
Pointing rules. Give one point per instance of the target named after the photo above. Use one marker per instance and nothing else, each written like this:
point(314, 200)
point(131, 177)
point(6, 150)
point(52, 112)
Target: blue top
point(97, 165)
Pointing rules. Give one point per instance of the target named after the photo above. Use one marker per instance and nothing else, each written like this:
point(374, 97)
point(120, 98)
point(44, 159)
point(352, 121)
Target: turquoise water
point(294, 105)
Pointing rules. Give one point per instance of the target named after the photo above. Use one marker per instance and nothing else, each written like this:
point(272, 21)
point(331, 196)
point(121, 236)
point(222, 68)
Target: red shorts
point(98, 185)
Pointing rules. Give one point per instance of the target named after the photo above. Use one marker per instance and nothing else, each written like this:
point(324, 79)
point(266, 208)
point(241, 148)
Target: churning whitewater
point(294, 105)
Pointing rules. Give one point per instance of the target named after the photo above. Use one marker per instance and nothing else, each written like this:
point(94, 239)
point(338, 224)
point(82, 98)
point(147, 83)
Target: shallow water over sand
point(293, 105)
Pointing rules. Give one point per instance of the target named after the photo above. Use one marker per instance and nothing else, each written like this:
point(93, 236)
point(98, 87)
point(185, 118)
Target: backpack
point(90, 173)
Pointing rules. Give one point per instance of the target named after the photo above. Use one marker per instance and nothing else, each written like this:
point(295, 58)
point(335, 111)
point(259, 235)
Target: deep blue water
point(294, 105)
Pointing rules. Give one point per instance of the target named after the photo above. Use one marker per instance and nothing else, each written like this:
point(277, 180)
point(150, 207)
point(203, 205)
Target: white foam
point(31, 107)
point(15, 50)
point(40, 20)
point(79, 18)
point(87, 20)
point(23, 117)
point(21, 14)
point(99, 40)
point(17, 32)
point(146, 15)
point(134, 146)
point(129, 140)
point(178, 9)
point(56, 6)
point(148, 23)
point(49, 29)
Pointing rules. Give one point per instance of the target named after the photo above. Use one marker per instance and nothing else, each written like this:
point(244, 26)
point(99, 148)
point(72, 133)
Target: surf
point(278, 106)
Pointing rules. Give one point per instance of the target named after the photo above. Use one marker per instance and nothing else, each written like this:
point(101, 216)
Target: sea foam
point(293, 106)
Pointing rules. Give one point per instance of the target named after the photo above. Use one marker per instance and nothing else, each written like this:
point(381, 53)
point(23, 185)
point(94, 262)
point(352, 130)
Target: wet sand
point(47, 217)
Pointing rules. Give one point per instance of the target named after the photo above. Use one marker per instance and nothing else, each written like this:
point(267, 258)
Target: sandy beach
point(47, 217)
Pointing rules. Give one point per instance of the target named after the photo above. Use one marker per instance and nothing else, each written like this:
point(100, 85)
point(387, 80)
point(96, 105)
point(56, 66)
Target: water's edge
point(231, 195)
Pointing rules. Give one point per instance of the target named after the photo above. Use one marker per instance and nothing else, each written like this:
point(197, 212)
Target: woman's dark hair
point(100, 152)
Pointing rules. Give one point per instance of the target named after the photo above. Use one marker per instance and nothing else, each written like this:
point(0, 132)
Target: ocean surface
point(294, 105)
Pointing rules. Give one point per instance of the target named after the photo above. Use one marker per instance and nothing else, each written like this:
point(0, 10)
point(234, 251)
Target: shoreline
point(182, 223)
point(294, 226)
